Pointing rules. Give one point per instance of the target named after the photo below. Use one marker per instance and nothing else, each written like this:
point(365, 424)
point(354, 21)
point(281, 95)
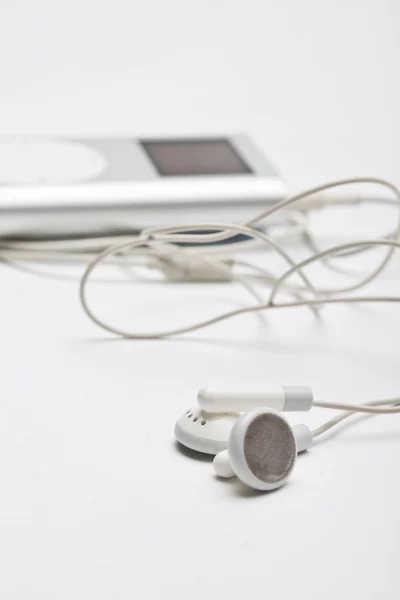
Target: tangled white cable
point(192, 263)
point(194, 253)
point(203, 261)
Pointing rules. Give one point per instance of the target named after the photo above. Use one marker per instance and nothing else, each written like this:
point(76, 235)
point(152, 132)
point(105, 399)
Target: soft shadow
point(260, 344)
point(192, 454)
point(240, 490)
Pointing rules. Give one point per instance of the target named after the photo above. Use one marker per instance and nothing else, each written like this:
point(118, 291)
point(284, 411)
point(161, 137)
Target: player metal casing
point(89, 186)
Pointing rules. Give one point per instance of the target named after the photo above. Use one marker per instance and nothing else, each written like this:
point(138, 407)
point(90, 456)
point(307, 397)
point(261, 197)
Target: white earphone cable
point(199, 235)
point(348, 413)
point(189, 245)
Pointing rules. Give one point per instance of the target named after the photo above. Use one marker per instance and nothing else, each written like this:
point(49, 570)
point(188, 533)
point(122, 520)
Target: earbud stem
point(222, 465)
point(303, 436)
point(280, 398)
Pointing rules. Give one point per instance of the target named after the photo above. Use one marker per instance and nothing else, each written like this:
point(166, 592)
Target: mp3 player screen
point(180, 158)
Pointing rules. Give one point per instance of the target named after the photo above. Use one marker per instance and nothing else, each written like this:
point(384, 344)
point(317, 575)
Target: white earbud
point(204, 432)
point(206, 428)
point(262, 449)
point(280, 398)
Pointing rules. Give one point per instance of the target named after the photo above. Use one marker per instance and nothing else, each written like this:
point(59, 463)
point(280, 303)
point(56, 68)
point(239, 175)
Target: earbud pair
point(258, 446)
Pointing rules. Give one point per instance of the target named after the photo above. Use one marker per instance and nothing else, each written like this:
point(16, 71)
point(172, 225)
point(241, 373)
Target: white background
point(96, 501)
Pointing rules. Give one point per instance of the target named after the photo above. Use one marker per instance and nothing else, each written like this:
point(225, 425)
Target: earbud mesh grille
point(269, 448)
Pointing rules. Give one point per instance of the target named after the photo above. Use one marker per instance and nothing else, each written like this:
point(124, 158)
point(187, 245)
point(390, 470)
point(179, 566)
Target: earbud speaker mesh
point(269, 448)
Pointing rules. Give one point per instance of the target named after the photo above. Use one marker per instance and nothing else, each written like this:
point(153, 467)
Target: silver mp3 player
point(71, 187)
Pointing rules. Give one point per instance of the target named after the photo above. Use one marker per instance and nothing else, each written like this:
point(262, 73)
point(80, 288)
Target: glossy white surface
point(96, 496)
